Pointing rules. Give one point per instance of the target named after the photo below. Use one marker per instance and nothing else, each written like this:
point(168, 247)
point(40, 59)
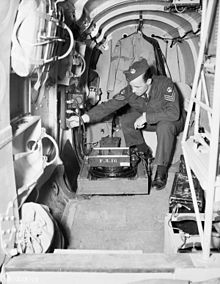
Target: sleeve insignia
point(170, 94)
point(170, 98)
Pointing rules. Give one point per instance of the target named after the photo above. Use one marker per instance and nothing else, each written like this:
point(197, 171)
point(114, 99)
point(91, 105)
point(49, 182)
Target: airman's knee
point(166, 127)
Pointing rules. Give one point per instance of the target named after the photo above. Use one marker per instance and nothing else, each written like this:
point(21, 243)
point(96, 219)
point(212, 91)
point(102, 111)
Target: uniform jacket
point(163, 102)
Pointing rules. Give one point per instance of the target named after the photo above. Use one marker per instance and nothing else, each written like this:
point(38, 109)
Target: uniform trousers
point(166, 132)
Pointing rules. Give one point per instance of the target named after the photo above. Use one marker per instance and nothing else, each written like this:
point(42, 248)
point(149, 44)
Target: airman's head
point(139, 76)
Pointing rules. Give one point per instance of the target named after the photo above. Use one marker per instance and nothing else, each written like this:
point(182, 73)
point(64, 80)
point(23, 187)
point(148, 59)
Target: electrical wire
point(182, 26)
point(81, 143)
point(179, 11)
point(174, 40)
point(76, 149)
point(184, 236)
point(195, 17)
point(77, 144)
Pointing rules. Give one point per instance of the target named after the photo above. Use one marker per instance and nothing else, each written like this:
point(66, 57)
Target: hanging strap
point(158, 54)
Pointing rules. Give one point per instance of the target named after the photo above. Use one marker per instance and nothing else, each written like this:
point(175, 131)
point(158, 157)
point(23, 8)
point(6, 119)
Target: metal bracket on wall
point(8, 230)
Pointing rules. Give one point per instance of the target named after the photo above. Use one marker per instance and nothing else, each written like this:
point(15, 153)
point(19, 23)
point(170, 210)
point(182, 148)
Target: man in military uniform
point(154, 105)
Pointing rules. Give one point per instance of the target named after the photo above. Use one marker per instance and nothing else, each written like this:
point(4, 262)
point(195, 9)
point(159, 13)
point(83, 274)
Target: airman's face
point(139, 86)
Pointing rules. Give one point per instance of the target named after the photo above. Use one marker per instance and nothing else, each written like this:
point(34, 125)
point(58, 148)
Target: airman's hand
point(74, 121)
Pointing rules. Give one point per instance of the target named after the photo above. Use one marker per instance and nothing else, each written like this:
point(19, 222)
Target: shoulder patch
point(170, 94)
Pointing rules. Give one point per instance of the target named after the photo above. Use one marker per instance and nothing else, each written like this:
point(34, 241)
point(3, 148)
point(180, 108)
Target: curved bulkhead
point(176, 31)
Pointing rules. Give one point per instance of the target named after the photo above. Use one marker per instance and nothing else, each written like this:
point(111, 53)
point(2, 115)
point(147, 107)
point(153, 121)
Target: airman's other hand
point(140, 121)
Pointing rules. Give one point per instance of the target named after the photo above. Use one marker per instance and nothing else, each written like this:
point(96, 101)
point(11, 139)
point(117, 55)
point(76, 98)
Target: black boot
point(160, 178)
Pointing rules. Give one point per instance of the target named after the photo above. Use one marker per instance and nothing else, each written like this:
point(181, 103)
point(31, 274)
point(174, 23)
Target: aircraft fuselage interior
point(109, 141)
